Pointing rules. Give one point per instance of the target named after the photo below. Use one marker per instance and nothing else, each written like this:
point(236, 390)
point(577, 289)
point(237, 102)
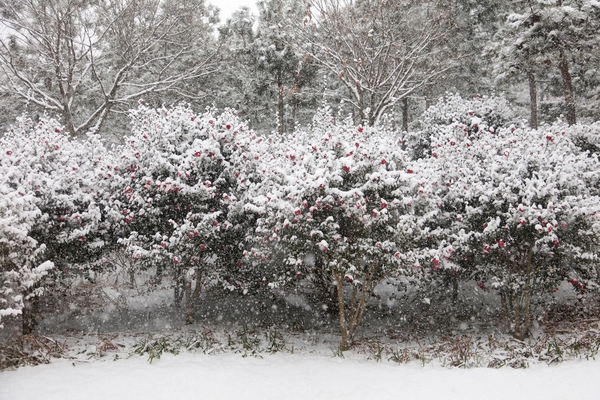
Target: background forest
point(401, 165)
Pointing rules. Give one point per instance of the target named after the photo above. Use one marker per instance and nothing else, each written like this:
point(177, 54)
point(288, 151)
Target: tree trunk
point(405, 114)
point(159, 273)
point(567, 88)
point(132, 278)
point(533, 120)
point(191, 296)
point(344, 343)
point(428, 96)
point(280, 107)
point(30, 309)
point(454, 279)
point(326, 291)
point(294, 111)
point(178, 287)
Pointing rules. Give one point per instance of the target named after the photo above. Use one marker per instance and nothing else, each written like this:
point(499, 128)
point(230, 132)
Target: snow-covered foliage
point(50, 203)
point(202, 199)
point(176, 193)
point(481, 112)
point(519, 208)
point(336, 201)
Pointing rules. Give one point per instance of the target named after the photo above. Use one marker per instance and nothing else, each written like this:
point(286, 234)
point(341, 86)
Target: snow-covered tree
point(270, 71)
point(334, 199)
point(51, 207)
point(382, 51)
point(176, 189)
point(542, 34)
point(83, 59)
point(518, 207)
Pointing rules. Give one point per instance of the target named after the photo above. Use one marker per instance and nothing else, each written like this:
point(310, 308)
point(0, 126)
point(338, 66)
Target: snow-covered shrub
point(51, 208)
point(481, 112)
point(586, 137)
point(334, 200)
point(176, 188)
point(519, 210)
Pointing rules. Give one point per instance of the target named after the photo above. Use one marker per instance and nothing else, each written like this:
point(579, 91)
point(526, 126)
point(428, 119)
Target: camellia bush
point(51, 210)
point(177, 187)
point(520, 209)
point(493, 111)
point(207, 202)
point(335, 201)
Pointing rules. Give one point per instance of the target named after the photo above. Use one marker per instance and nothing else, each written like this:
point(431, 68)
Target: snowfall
point(289, 376)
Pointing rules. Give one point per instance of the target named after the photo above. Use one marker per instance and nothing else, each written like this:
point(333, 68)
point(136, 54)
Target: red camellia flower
point(9, 153)
point(481, 285)
point(203, 247)
point(500, 243)
point(297, 212)
point(346, 168)
point(410, 171)
point(383, 161)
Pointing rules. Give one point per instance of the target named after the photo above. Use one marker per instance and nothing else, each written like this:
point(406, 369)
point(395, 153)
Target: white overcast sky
point(229, 6)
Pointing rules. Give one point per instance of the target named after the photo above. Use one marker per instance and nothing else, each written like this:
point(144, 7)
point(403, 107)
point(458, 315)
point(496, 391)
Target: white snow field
point(287, 376)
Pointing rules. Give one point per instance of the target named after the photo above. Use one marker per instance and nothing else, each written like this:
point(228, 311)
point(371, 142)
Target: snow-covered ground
point(290, 376)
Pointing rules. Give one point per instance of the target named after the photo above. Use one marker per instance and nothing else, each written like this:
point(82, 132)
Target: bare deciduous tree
point(81, 59)
point(381, 50)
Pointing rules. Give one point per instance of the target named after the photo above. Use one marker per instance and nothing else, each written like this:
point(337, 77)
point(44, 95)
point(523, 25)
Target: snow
point(289, 376)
